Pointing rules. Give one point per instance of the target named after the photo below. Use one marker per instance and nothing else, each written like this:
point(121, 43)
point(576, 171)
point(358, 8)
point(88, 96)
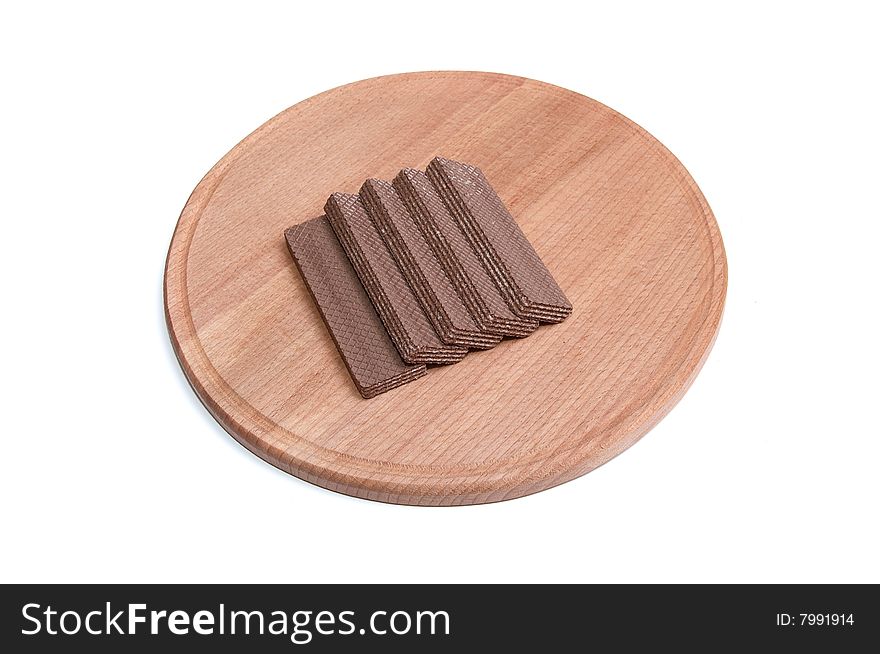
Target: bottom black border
point(691, 617)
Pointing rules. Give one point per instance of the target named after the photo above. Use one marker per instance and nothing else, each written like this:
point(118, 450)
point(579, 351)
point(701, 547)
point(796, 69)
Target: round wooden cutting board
point(616, 218)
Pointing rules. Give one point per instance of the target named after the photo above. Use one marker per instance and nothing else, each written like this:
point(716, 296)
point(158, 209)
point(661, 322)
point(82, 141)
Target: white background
point(112, 471)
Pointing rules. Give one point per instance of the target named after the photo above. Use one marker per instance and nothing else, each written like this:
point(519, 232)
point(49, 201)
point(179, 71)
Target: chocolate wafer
point(397, 306)
point(421, 268)
point(355, 327)
point(470, 279)
point(509, 258)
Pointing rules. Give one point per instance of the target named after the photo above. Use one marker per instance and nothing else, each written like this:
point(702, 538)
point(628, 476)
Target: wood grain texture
point(615, 216)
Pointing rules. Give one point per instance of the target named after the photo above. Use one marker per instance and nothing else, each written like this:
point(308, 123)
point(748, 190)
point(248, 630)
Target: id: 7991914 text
point(814, 620)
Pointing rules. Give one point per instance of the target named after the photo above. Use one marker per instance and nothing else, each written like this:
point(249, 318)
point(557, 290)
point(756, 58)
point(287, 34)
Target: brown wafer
point(397, 306)
point(421, 268)
point(368, 353)
point(509, 258)
point(470, 279)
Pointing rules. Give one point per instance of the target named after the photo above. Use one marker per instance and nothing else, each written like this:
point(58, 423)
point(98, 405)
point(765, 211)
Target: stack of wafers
point(420, 271)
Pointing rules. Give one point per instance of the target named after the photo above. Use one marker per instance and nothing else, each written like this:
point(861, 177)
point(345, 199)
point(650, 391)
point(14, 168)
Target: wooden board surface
point(615, 216)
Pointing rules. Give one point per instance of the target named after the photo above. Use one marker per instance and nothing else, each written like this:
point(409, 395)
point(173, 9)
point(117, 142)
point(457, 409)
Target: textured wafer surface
point(513, 263)
point(466, 272)
point(370, 356)
point(400, 311)
point(421, 268)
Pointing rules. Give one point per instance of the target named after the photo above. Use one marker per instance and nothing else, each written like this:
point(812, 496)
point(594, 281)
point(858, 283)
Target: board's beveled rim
point(355, 479)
